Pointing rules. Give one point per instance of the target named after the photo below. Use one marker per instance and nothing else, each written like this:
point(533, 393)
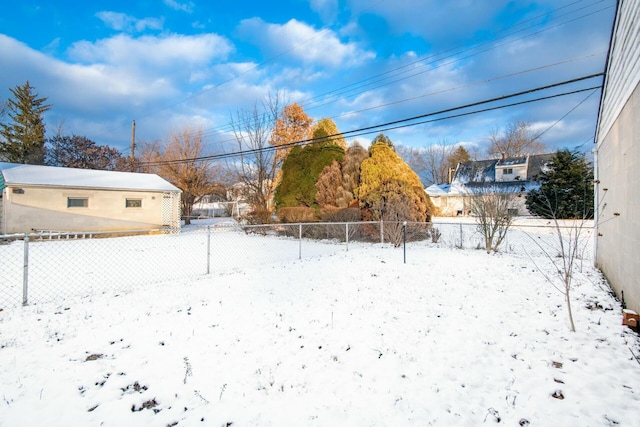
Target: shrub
point(258, 216)
point(340, 215)
point(435, 235)
point(297, 214)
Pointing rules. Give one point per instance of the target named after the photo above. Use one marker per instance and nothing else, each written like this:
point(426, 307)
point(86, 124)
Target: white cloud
point(185, 7)
point(122, 22)
point(300, 41)
point(327, 9)
point(109, 87)
point(162, 51)
point(53, 46)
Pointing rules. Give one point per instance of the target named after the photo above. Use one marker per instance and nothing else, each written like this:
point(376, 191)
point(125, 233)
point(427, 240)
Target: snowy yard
point(357, 338)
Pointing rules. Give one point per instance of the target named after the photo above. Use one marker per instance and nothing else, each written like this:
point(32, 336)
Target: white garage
point(46, 198)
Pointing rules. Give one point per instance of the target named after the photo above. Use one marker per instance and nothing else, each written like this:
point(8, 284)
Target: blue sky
point(168, 64)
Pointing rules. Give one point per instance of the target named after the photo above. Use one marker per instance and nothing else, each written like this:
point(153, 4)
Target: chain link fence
point(51, 267)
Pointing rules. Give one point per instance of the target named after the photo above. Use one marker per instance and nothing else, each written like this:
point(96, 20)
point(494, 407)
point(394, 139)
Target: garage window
point(77, 202)
point(133, 203)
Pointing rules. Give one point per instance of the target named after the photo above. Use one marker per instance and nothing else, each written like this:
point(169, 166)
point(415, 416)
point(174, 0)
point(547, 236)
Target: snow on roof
point(437, 189)
point(475, 171)
point(19, 174)
point(512, 161)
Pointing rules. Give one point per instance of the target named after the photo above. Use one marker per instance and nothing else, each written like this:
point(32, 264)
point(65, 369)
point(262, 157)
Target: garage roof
point(51, 176)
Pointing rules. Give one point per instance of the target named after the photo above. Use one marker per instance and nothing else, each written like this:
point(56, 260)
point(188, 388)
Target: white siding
point(618, 159)
point(623, 69)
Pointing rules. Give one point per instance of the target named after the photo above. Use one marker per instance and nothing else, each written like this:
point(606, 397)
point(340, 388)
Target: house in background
point(617, 159)
point(47, 198)
point(508, 175)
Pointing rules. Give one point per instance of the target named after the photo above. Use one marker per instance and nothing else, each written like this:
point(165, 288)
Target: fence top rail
point(284, 224)
point(47, 234)
point(57, 234)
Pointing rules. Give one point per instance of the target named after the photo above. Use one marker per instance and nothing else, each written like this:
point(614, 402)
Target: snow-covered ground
point(357, 338)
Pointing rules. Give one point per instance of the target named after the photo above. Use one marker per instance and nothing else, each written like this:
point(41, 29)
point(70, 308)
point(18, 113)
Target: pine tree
point(300, 172)
point(566, 188)
point(459, 155)
point(23, 138)
point(384, 139)
point(326, 127)
point(389, 188)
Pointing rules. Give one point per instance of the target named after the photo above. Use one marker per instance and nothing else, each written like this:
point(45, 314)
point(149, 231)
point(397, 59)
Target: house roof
point(480, 176)
point(537, 163)
point(437, 189)
point(512, 161)
point(476, 171)
point(51, 176)
point(485, 170)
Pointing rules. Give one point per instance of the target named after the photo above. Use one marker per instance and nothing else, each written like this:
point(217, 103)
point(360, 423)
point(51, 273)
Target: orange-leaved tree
point(292, 125)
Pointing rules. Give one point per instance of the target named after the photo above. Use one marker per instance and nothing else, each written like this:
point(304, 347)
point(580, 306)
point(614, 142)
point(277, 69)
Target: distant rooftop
point(482, 171)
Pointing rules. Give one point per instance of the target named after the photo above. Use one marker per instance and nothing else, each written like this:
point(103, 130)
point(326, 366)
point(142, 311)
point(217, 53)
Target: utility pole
point(133, 145)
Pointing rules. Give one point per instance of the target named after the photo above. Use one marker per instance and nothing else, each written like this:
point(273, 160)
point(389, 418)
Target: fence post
point(381, 231)
point(404, 240)
point(25, 272)
point(300, 241)
point(346, 235)
point(208, 249)
point(461, 241)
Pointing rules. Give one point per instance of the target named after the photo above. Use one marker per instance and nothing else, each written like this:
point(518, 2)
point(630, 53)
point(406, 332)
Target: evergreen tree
point(325, 128)
point(301, 171)
point(23, 137)
point(384, 139)
point(353, 158)
point(389, 188)
point(459, 155)
point(566, 188)
point(328, 186)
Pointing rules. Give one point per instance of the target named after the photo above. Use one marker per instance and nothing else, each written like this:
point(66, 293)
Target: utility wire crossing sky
point(364, 63)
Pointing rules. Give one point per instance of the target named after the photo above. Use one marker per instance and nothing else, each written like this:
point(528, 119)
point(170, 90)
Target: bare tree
point(257, 164)
point(414, 158)
point(435, 163)
point(81, 152)
point(492, 208)
point(393, 203)
point(571, 246)
point(181, 162)
point(517, 140)
point(436, 158)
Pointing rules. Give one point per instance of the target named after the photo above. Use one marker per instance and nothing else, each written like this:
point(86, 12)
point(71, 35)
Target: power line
point(565, 115)
point(309, 104)
point(376, 79)
point(404, 122)
point(211, 131)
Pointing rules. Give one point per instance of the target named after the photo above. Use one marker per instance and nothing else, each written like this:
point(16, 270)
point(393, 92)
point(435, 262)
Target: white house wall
point(45, 209)
point(618, 159)
point(619, 203)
